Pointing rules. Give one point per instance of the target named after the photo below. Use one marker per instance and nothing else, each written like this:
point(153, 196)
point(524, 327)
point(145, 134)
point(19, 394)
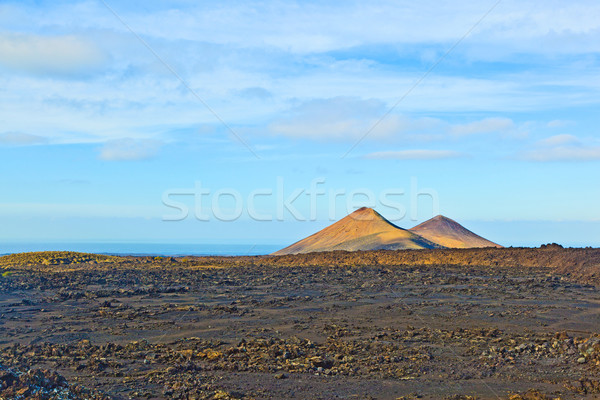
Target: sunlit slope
point(449, 233)
point(364, 229)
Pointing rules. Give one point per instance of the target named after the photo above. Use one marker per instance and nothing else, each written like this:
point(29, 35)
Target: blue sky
point(108, 108)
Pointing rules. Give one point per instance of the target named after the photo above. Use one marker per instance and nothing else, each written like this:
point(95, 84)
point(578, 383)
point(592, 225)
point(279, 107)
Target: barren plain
point(411, 324)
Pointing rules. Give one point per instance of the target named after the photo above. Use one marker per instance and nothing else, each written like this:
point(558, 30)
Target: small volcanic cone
point(364, 229)
point(449, 233)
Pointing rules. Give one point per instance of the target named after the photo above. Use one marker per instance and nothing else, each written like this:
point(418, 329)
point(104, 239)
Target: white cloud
point(557, 123)
point(233, 60)
point(487, 125)
point(564, 153)
point(563, 148)
point(129, 149)
point(335, 118)
point(558, 140)
point(351, 119)
point(53, 55)
point(20, 139)
point(516, 25)
point(415, 155)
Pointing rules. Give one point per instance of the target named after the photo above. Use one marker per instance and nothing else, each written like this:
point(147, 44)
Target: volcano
point(364, 229)
point(449, 233)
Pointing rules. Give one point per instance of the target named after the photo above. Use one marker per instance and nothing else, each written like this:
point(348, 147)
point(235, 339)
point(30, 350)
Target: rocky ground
point(76, 326)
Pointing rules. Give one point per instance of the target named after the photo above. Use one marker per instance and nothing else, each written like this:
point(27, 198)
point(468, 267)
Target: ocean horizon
point(142, 249)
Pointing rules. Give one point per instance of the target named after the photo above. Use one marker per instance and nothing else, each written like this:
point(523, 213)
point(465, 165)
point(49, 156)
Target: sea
point(144, 249)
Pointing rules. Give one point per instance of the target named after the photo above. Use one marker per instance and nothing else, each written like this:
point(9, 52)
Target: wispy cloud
point(558, 140)
point(20, 139)
point(564, 153)
point(558, 123)
point(563, 148)
point(340, 78)
point(415, 155)
point(336, 118)
point(487, 125)
point(129, 149)
point(347, 118)
point(50, 55)
point(518, 27)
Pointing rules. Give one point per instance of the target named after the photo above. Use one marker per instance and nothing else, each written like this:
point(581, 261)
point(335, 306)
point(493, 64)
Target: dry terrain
point(412, 324)
point(449, 233)
point(364, 229)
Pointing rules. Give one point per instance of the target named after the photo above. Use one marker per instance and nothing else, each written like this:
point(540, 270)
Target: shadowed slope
point(449, 233)
point(364, 229)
